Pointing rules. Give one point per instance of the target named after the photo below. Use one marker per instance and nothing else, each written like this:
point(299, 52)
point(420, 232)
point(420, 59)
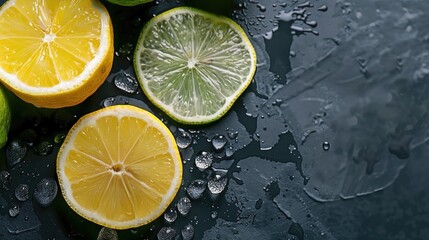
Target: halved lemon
point(54, 53)
point(119, 167)
point(194, 65)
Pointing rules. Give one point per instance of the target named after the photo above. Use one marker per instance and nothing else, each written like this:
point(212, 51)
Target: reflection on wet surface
point(337, 110)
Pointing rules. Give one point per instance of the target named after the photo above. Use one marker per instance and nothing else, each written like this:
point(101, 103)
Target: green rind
point(4, 118)
point(129, 3)
point(218, 18)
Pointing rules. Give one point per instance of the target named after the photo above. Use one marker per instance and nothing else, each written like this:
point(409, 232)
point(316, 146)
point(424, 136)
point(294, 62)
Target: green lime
point(193, 65)
point(4, 118)
point(129, 2)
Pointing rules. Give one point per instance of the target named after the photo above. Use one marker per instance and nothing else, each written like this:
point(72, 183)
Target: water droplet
point(170, 215)
point(258, 204)
point(125, 82)
point(292, 148)
point(59, 138)
point(361, 61)
point(229, 151)
point(300, 29)
point(21, 192)
point(107, 234)
point(43, 148)
point(304, 5)
point(232, 134)
point(110, 101)
point(219, 142)
point(203, 160)
point(126, 49)
point(268, 35)
point(46, 191)
point(63, 118)
point(34, 118)
point(15, 152)
point(400, 147)
point(323, 8)
point(166, 233)
point(4, 179)
point(261, 7)
point(286, 16)
point(184, 206)
point(326, 146)
point(137, 22)
point(214, 214)
point(196, 189)
point(272, 189)
point(278, 101)
point(217, 183)
point(183, 139)
point(311, 23)
point(14, 210)
point(296, 229)
point(29, 136)
point(188, 232)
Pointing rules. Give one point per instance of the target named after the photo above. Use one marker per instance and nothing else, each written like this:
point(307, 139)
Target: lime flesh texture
point(4, 118)
point(194, 65)
point(129, 2)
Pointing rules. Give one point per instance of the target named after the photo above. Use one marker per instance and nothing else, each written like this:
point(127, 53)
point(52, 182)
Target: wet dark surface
point(329, 141)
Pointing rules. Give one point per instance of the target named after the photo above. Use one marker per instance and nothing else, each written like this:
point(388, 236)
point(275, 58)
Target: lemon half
point(54, 53)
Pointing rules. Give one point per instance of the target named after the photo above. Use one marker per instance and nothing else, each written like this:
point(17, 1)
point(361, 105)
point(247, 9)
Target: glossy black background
point(265, 197)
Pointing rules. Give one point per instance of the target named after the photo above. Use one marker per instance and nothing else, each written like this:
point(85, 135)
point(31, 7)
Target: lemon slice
point(119, 167)
point(54, 53)
point(193, 65)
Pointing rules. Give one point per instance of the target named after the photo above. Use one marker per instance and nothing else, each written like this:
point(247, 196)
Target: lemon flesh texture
point(4, 118)
point(193, 65)
point(55, 53)
point(129, 2)
point(119, 167)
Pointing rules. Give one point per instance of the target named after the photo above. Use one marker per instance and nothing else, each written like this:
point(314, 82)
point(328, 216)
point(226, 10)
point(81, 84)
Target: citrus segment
point(193, 65)
point(119, 167)
point(55, 53)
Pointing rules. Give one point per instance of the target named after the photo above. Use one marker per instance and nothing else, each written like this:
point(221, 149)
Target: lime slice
point(193, 65)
